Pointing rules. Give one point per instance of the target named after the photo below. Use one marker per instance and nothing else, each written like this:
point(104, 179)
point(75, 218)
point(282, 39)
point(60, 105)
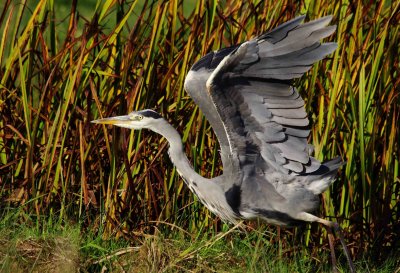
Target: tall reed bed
point(60, 71)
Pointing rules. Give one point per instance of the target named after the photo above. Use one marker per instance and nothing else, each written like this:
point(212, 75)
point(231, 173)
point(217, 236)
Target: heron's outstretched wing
point(246, 93)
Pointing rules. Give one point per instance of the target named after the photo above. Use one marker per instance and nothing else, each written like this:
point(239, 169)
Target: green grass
point(59, 71)
point(63, 248)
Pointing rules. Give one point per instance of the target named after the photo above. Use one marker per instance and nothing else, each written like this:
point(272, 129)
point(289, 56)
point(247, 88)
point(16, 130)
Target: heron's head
point(134, 120)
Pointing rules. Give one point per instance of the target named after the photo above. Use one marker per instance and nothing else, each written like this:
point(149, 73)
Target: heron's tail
point(320, 180)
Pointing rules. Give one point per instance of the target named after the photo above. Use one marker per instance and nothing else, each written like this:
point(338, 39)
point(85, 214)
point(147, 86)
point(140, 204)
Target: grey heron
point(246, 92)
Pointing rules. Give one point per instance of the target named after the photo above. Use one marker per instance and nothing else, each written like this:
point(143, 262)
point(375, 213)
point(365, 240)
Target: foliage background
point(62, 66)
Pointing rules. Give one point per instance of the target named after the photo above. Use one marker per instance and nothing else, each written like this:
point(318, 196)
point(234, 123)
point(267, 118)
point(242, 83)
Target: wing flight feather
point(247, 95)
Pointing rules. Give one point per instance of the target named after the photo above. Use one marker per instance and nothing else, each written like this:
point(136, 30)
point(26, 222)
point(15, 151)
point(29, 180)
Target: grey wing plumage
point(246, 93)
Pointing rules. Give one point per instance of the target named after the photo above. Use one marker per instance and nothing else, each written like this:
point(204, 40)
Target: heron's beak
point(118, 120)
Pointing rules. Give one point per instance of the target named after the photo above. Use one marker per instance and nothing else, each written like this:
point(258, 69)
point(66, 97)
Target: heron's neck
point(209, 193)
point(176, 152)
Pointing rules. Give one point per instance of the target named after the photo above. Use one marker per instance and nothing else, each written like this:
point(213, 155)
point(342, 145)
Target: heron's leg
point(330, 225)
point(278, 234)
point(338, 231)
point(331, 241)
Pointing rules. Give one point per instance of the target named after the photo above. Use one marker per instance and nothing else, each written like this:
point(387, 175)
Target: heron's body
point(261, 124)
point(246, 94)
point(275, 197)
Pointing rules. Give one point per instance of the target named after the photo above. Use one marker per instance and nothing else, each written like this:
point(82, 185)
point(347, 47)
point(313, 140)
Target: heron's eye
point(135, 117)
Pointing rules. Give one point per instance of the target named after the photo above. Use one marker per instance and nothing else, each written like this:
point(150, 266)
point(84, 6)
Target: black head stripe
point(150, 114)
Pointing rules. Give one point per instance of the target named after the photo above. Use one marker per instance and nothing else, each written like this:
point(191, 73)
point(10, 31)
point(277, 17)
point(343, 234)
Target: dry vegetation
point(59, 72)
